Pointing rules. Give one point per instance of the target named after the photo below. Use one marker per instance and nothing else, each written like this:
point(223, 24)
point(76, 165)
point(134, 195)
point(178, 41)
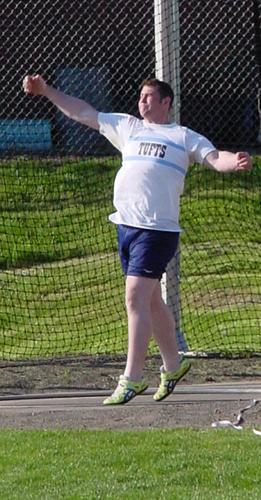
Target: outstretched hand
point(243, 161)
point(34, 84)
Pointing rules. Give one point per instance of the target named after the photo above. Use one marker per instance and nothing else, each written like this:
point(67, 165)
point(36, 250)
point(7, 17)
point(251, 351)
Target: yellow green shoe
point(170, 379)
point(125, 391)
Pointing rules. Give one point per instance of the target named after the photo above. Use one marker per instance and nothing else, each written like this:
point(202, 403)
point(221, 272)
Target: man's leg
point(164, 333)
point(139, 292)
point(164, 330)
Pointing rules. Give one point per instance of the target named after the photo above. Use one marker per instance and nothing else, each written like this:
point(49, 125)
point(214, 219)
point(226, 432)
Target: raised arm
point(74, 108)
point(225, 161)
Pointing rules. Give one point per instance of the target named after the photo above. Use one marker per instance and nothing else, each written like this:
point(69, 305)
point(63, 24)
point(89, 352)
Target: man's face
point(151, 107)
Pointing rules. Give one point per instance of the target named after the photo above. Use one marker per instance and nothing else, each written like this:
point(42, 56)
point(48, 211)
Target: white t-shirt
point(155, 159)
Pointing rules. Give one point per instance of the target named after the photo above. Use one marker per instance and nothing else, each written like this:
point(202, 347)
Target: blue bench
point(25, 135)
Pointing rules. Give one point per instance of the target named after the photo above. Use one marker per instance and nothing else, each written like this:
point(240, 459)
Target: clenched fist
point(244, 161)
point(34, 85)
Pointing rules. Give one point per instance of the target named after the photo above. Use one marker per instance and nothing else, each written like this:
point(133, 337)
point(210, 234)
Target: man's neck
point(158, 121)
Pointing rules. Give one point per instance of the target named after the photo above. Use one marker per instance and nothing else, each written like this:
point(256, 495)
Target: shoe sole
point(174, 385)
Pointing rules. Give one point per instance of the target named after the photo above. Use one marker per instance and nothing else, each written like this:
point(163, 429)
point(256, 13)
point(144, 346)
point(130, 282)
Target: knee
point(138, 293)
point(132, 300)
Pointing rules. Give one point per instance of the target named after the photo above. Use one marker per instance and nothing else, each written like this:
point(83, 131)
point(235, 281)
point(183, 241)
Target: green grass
point(51, 211)
point(61, 307)
point(220, 262)
point(151, 465)
point(61, 283)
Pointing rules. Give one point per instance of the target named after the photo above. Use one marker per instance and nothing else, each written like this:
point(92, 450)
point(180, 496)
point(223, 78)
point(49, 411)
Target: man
point(155, 157)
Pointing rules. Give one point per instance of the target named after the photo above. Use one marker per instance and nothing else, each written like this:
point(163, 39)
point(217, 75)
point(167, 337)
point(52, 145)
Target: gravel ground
point(97, 376)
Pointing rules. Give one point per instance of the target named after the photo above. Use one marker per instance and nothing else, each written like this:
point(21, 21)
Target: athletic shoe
point(125, 391)
point(170, 379)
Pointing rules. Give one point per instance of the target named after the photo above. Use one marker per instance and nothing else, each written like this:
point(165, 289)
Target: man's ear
point(166, 100)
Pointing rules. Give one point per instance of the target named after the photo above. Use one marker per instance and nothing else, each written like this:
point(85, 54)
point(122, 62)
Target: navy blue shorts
point(146, 252)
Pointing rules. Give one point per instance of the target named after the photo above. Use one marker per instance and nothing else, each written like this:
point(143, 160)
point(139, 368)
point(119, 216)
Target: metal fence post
point(167, 57)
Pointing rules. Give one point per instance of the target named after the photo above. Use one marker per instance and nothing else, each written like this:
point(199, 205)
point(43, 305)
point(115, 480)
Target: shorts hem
point(143, 275)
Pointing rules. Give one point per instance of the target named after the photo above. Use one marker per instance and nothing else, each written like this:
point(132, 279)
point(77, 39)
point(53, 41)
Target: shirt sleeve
point(198, 146)
point(115, 127)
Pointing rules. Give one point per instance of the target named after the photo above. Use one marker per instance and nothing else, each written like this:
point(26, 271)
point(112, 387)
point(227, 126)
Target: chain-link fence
point(221, 69)
point(101, 50)
point(61, 284)
point(96, 50)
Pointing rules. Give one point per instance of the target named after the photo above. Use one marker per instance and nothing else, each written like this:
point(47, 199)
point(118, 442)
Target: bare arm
point(74, 108)
point(224, 161)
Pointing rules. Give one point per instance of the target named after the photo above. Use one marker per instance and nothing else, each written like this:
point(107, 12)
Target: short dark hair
point(164, 88)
